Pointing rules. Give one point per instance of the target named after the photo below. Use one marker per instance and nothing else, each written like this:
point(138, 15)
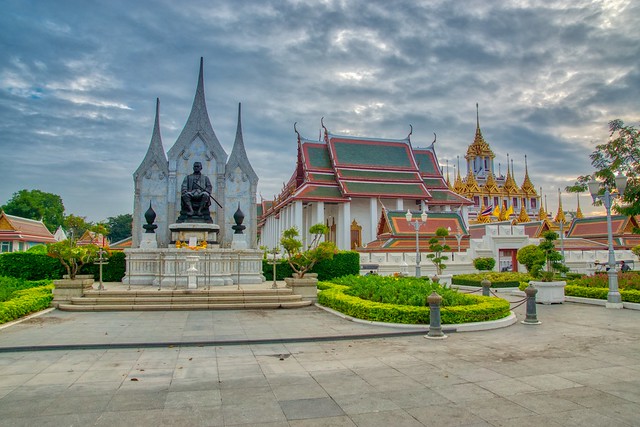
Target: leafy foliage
point(9, 285)
point(629, 280)
point(627, 295)
point(553, 258)
point(120, 227)
point(336, 297)
point(303, 261)
point(30, 266)
point(38, 205)
point(438, 248)
point(25, 301)
point(484, 264)
point(72, 256)
point(532, 257)
point(498, 280)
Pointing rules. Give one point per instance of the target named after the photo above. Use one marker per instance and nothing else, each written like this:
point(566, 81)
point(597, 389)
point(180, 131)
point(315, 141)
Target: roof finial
point(477, 116)
point(434, 138)
point(410, 131)
point(295, 129)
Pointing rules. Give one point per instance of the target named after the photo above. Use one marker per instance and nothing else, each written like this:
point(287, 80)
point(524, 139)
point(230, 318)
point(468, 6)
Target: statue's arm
point(208, 185)
point(185, 185)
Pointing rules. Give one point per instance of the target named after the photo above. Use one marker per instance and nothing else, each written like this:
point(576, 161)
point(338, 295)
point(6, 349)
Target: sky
point(79, 82)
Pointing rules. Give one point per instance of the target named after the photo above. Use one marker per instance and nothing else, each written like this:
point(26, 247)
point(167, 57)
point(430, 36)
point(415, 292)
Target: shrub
point(484, 264)
point(25, 301)
point(498, 280)
point(343, 263)
point(531, 256)
point(338, 297)
point(301, 261)
point(9, 285)
point(112, 272)
point(72, 256)
point(628, 280)
point(628, 295)
point(30, 266)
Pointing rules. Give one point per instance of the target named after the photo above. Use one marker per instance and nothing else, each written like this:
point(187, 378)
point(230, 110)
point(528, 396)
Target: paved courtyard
point(580, 367)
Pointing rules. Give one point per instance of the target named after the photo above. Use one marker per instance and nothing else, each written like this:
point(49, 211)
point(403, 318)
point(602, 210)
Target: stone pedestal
point(66, 288)
point(239, 242)
point(192, 272)
point(201, 232)
point(149, 241)
point(307, 287)
point(549, 292)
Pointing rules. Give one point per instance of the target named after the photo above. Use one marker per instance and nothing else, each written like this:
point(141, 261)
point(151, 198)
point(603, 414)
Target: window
point(476, 201)
point(533, 203)
point(6, 246)
point(515, 202)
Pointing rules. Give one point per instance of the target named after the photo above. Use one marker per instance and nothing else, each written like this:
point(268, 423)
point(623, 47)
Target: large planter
point(549, 292)
point(307, 287)
point(65, 289)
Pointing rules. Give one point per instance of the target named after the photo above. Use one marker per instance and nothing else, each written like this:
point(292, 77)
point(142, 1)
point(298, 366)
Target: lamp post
point(614, 300)
point(458, 236)
point(416, 225)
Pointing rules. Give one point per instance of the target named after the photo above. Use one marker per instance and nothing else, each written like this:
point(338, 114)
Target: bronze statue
point(196, 196)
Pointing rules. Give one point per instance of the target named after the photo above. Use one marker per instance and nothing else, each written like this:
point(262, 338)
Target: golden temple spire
point(458, 185)
point(579, 211)
point(479, 147)
point(542, 213)
point(471, 185)
point(523, 217)
point(510, 187)
point(527, 186)
point(448, 181)
point(560, 214)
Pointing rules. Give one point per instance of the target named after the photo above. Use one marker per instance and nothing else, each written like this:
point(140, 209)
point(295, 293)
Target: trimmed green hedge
point(483, 309)
point(498, 280)
point(35, 266)
point(9, 285)
point(628, 295)
point(30, 266)
point(342, 264)
point(24, 302)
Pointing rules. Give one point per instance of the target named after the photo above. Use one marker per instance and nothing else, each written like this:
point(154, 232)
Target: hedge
point(498, 280)
point(342, 264)
point(30, 266)
point(486, 308)
point(628, 295)
point(34, 266)
point(24, 302)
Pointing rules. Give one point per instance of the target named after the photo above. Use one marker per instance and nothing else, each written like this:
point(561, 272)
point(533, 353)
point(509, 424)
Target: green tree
point(119, 227)
point(38, 205)
point(553, 258)
point(76, 226)
point(532, 257)
point(303, 261)
point(620, 154)
point(484, 264)
point(438, 248)
point(72, 256)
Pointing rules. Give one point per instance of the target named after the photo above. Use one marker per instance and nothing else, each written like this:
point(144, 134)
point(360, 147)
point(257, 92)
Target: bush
point(629, 280)
point(531, 256)
point(343, 263)
point(9, 285)
point(484, 264)
point(338, 297)
point(30, 266)
point(112, 272)
point(628, 295)
point(25, 301)
point(498, 280)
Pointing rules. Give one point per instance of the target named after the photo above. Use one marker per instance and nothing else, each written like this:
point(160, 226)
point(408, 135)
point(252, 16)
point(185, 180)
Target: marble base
point(201, 232)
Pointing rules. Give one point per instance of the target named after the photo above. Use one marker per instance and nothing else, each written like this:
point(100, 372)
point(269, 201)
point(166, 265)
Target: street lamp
point(614, 300)
point(458, 236)
point(416, 225)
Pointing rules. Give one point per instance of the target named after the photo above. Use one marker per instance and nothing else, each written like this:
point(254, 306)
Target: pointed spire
point(477, 116)
point(527, 186)
point(560, 214)
point(542, 213)
point(579, 211)
point(448, 181)
point(155, 153)
point(238, 155)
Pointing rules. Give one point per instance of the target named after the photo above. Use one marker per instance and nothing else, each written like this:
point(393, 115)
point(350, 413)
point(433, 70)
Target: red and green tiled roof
point(316, 156)
point(597, 226)
point(383, 154)
point(400, 227)
point(377, 175)
point(413, 190)
point(319, 192)
point(426, 162)
point(322, 177)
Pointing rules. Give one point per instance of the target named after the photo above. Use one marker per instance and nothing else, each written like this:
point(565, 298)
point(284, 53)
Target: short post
point(101, 261)
point(435, 327)
point(532, 317)
point(274, 262)
point(486, 287)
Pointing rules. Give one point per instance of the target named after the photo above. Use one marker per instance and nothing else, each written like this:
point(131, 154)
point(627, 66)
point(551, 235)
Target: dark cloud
point(78, 83)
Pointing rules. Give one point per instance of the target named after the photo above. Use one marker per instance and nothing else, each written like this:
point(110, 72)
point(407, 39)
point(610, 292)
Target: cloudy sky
point(79, 79)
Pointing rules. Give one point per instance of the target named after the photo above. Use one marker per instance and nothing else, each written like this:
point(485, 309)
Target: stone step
point(183, 306)
point(187, 292)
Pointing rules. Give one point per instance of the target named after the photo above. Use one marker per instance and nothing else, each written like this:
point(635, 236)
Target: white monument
point(193, 193)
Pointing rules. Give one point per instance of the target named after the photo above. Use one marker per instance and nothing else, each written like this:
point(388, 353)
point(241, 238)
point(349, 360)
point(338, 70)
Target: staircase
point(184, 299)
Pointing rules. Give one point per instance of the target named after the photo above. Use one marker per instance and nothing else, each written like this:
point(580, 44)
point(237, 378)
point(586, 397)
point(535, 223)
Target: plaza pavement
point(580, 367)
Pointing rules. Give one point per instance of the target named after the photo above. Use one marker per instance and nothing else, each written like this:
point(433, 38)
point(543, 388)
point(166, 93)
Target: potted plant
point(436, 256)
point(302, 262)
point(73, 258)
point(545, 268)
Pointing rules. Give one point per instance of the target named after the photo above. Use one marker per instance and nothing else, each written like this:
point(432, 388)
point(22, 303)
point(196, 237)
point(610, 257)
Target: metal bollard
point(486, 287)
point(435, 328)
point(532, 317)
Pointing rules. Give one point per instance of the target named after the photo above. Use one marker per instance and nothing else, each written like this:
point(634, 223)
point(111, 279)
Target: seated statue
point(196, 195)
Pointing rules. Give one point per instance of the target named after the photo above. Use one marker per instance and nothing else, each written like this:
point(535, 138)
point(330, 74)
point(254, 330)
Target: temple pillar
point(373, 221)
point(343, 238)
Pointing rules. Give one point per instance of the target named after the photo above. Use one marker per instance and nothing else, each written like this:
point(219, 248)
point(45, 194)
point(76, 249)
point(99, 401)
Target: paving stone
point(310, 408)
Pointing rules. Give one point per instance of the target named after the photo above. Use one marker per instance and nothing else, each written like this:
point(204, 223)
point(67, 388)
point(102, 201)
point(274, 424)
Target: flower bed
point(403, 300)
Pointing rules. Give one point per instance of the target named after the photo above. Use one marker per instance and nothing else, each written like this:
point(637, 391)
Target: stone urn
point(306, 287)
point(549, 292)
point(66, 288)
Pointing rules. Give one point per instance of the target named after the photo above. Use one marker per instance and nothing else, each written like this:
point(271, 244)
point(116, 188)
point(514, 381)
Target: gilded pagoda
point(494, 196)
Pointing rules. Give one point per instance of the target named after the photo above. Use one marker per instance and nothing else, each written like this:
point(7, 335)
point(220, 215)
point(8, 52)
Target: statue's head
point(197, 167)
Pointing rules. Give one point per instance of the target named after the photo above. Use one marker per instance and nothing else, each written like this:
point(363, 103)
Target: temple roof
point(479, 147)
point(23, 229)
point(155, 156)
point(238, 157)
